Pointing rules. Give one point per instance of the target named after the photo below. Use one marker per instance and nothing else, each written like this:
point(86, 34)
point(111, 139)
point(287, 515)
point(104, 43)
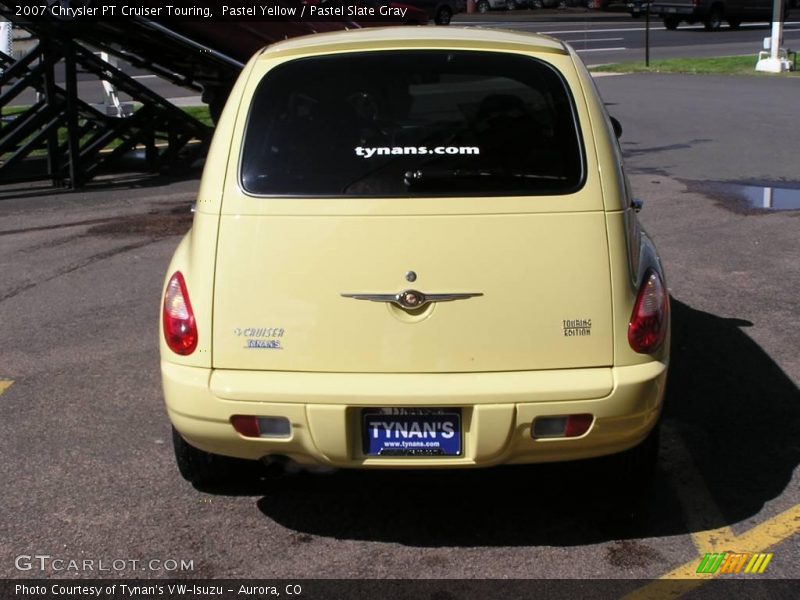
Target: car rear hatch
point(345, 248)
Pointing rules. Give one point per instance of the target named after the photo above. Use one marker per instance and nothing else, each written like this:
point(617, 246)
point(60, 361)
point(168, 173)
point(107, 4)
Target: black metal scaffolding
point(61, 138)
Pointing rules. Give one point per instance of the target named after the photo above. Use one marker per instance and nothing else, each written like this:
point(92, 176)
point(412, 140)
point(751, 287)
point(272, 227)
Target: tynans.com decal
point(370, 151)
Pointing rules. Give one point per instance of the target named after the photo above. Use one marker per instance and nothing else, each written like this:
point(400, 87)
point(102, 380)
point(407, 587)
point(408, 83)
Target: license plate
point(407, 432)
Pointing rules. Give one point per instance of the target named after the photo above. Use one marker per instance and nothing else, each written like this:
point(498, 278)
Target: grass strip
point(723, 65)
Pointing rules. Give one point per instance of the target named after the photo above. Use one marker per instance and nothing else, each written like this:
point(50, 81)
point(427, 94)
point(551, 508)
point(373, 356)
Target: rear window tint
point(412, 123)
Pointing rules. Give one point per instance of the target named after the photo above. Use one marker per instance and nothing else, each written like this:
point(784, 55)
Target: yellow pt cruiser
point(414, 248)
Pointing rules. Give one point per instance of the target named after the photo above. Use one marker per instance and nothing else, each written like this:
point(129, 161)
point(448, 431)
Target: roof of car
point(409, 37)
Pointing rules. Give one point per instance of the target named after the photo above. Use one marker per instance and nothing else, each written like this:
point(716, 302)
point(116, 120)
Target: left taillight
point(649, 322)
point(180, 328)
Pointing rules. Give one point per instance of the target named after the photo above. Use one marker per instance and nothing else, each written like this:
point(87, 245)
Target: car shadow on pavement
point(736, 411)
point(728, 404)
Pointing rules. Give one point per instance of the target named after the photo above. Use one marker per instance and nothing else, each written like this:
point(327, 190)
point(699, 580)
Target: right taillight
point(180, 329)
point(650, 319)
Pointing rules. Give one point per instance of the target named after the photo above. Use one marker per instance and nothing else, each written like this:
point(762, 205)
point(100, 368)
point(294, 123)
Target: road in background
point(600, 37)
point(622, 39)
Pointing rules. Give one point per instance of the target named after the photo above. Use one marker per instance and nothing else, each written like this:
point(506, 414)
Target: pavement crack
point(57, 226)
point(80, 265)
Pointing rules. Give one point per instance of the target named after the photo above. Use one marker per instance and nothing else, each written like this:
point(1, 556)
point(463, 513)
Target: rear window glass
point(416, 123)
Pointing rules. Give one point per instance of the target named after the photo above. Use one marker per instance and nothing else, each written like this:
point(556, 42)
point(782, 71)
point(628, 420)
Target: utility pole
point(5, 46)
point(5, 38)
point(647, 35)
point(776, 61)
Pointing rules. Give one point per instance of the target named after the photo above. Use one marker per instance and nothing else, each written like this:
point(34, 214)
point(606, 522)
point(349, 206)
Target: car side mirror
point(617, 127)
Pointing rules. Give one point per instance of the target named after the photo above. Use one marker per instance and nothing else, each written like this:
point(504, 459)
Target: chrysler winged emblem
point(411, 299)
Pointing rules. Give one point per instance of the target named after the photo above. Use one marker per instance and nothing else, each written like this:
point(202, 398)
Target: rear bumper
point(497, 410)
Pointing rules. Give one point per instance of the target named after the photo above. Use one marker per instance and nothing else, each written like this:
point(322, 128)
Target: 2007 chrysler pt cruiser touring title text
point(414, 249)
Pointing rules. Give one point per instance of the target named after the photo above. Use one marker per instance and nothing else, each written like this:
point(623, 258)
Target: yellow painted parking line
point(700, 511)
point(4, 385)
point(771, 531)
point(666, 589)
point(758, 539)
point(699, 508)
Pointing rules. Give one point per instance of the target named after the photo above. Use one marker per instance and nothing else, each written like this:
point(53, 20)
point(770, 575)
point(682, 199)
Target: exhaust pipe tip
point(279, 464)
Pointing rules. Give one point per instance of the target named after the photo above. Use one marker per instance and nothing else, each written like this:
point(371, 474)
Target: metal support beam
point(73, 135)
point(64, 139)
point(54, 162)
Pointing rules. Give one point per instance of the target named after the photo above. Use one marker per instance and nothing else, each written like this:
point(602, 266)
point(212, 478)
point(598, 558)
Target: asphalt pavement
point(711, 127)
point(88, 468)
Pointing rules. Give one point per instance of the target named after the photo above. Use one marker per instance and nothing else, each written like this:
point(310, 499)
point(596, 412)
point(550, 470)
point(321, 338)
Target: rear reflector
point(577, 425)
point(246, 425)
point(262, 427)
point(558, 427)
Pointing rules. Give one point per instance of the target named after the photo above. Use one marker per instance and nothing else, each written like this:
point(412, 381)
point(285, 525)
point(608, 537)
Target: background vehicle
point(637, 8)
point(712, 13)
point(487, 5)
point(439, 11)
point(550, 3)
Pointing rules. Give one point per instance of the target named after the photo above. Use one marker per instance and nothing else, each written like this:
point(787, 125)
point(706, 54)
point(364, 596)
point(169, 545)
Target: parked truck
point(712, 13)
